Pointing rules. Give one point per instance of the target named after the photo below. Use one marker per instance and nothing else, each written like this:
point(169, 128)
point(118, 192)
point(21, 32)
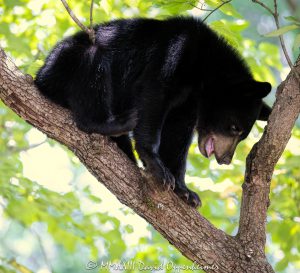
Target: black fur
point(159, 79)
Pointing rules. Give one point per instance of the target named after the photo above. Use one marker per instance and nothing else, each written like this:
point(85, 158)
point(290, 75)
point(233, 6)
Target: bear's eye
point(235, 130)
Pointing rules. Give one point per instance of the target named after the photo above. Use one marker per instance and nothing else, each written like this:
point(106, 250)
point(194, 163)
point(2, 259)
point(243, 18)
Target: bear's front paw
point(188, 196)
point(163, 174)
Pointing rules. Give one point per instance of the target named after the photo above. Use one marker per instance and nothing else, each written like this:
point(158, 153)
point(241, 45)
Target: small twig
point(202, 7)
point(264, 6)
point(276, 18)
point(91, 14)
point(218, 7)
point(89, 31)
point(73, 16)
point(24, 149)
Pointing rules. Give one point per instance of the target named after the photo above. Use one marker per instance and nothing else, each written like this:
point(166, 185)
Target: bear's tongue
point(209, 147)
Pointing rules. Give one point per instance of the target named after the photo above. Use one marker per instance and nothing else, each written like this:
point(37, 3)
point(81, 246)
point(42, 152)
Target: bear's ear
point(256, 89)
point(264, 112)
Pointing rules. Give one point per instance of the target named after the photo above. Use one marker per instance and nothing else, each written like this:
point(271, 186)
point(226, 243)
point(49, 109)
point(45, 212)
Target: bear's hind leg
point(125, 145)
point(115, 126)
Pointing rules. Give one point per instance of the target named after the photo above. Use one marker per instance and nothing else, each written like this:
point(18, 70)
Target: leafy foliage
point(48, 224)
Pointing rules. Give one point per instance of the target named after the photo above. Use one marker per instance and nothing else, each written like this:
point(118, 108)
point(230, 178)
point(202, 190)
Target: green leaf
point(282, 30)
point(222, 28)
point(228, 9)
point(11, 3)
point(270, 55)
point(129, 229)
point(296, 44)
point(292, 19)
point(174, 7)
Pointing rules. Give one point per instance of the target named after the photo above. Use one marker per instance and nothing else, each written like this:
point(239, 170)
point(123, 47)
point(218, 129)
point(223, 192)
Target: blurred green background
point(55, 217)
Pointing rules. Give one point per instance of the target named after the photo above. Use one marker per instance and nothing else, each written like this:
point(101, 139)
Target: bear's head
point(227, 115)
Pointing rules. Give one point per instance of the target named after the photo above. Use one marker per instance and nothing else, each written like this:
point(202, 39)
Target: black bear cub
point(161, 80)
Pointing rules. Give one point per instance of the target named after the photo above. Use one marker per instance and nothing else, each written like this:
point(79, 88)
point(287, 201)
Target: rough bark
point(181, 225)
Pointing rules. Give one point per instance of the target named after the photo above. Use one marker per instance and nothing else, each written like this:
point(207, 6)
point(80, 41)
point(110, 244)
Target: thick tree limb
point(182, 225)
point(263, 158)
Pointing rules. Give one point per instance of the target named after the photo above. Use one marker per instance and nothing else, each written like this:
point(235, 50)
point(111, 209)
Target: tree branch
point(262, 160)
point(182, 225)
point(264, 6)
point(276, 18)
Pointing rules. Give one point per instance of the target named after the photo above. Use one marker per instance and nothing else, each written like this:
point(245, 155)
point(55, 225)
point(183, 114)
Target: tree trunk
point(197, 239)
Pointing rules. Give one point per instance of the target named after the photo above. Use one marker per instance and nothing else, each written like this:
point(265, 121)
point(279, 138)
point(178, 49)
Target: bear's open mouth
point(221, 146)
point(209, 146)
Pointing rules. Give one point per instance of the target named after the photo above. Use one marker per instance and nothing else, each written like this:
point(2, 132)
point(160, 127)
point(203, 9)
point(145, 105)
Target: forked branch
point(275, 15)
point(215, 9)
point(182, 225)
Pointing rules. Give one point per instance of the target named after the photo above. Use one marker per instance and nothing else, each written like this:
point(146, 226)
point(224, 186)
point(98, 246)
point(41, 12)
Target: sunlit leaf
point(282, 30)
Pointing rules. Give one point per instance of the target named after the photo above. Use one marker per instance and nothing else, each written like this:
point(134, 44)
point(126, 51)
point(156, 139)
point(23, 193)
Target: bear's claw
point(188, 196)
